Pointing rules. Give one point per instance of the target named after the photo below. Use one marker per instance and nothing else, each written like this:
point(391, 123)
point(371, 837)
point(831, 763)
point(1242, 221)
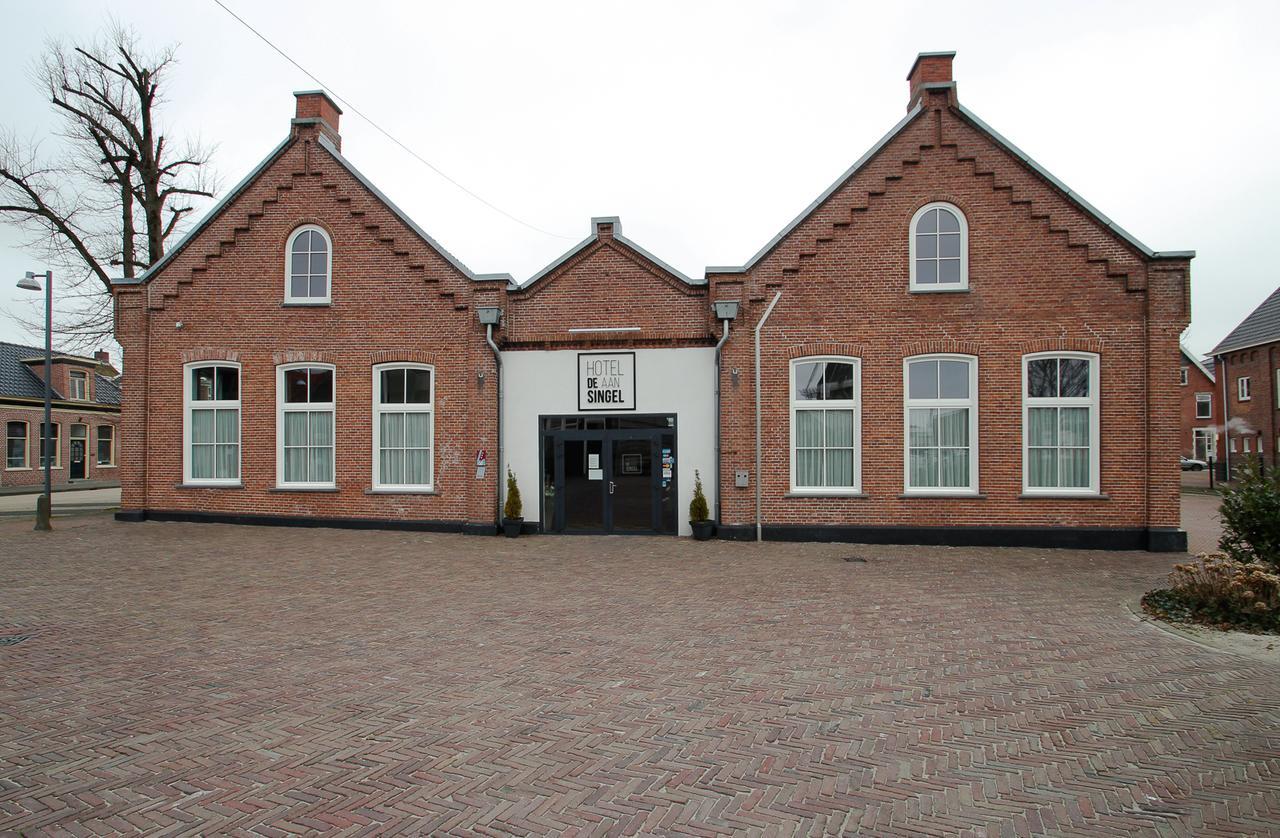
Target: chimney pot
point(929, 68)
point(315, 107)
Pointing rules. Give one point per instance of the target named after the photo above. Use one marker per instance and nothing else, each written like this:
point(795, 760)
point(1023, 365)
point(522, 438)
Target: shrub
point(1251, 516)
point(513, 508)
point(1220, 590)
point(698, 510)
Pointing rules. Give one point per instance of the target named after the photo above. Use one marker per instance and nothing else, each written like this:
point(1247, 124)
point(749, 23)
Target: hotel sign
point(606, 381)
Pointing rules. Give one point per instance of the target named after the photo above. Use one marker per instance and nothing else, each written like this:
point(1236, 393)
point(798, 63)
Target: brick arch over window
point(210, 353)
point(802, 350)
point(391, 356)
point(1060, 344)
point(302, 356)
point(941, 347)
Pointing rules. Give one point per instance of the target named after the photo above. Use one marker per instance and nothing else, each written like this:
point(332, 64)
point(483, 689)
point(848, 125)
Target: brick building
point(1200, 434)
point(1248, 391)
point(952, 347)
point(85, 417)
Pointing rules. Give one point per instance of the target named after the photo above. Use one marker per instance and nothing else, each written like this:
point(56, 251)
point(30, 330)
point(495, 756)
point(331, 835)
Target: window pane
point(391, 431)
point(390, 462)
point(321, 465)
point(295, 428)
point(295, 386)
point(393, 386)
point(295, 465)
point(202, 384)
point(321, 428)
point(1042, 378)
point(840, 467)
point(923, 430)
point(1042, 426)
point(228, 461)
point(417, 430)
point(202, 426)
point(1074, 374)
point(298, 262)
point(1075, 426)
point(302, 243)
point(228, 384)
point(948, 270)
point(417, 467)
point(809, 424)
point(202, 460)
point(922, 380)
point(809, 381)
point(953, 427)
point(947, 221)
point(954, 377)
point(928, 222)
point(1042, 468)
point(926, 272)
point(1075, 468)
point(839, 428)
point(949, 245)
point(418, 386)
point(321, 386)
point(924, 467)
point(319, 264)
point(808, 468)
point(319, 286)
point(104, 451)
point(926, 246)
point(839, 380)
point(953, 467)
point(298, 286)
point(228, 426)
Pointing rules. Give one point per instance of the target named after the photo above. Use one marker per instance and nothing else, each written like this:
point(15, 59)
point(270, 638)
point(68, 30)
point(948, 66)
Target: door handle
point(612, 486)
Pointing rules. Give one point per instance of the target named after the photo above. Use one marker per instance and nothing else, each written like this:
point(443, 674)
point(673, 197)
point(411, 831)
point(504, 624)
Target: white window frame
point(1232, 446)
point(1093, 401)
point(97, 439)
point(78, 394)
point(57, 445)
point(283, 407)
point(1205, 399)
point(854, 404)
point(1244, 440)
point(379, 408)
point(288, 268)
point(1183, 379)
point(971, 403)
point(933, 288)
point(189, 403)
point(1210, 445)
point(26, 445)
point(1242, 389)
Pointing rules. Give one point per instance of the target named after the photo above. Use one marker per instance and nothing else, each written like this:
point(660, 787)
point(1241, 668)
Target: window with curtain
point(106, 445)
point(939, 249)
point(53, 445)
point(15, 445)
point(825, 425)
point(212, 424)
point(307, 266)
point(305, 426)
point(1060, 421)
point(942, 424)
point(403, 423)
point(79, 385)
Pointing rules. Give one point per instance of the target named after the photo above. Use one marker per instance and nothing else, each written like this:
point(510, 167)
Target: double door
point(609, 481)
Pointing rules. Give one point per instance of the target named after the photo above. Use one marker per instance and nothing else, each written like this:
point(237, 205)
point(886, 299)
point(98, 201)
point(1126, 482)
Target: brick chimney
point(929, 68)
point(102, 356)
point(315, 107)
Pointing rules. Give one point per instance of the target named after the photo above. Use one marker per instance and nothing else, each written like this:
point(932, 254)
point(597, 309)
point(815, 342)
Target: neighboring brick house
point(1247, 362)
point(85, 418)
point(308, 355)
point(1200, 434)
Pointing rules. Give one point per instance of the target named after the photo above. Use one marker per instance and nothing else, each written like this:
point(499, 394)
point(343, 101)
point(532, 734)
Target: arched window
point(403, 420)
point(1060, 427)
point(304, 426)
point(941, 437)
point(826, 425)
point(307, 266)
point(939, 249)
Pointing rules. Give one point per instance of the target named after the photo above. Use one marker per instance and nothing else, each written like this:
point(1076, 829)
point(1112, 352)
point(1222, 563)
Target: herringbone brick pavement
point(214, 679)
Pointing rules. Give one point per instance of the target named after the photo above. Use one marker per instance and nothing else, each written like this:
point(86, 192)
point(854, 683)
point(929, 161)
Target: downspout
point(1226, 420)
point(497, 471)
point(719, 345)
point(759, 441)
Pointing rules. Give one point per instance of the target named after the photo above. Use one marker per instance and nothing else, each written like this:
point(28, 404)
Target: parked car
point(1189, 464)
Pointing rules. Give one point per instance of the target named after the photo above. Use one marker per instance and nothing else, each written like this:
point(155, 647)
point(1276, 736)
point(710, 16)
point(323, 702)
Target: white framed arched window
point(403, 426)
point(308, 266)
point(305, 426)
point(826, 425)
point(211, 423)
point(1060, 423)
point(940, 409)
point(939, 248)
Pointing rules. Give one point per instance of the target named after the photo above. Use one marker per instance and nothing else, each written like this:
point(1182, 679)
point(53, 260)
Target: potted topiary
point(513, 509)
point(699, 514)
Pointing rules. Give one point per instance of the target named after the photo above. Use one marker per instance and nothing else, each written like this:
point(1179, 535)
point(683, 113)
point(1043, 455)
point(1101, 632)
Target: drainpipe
point(1226, 419)
point(491, 316)
point(726, 311)
point(759, 442)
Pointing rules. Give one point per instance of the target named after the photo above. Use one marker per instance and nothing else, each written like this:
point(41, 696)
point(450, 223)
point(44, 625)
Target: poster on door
point(606, 381)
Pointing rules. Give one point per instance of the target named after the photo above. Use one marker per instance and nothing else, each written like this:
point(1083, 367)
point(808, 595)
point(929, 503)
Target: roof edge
point(596, 221)
point(919, 55)
point(1193, 359)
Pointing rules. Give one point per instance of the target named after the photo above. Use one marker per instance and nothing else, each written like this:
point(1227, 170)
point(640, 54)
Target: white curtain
point(839, 443)
point(1058, 447)
point(321, 447)
point(404, 449)
point(1074, 471)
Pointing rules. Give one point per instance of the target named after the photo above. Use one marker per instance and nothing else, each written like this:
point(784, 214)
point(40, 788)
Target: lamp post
point(44, 506)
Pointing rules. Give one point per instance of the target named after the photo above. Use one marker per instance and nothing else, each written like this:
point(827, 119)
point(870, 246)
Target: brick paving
point(186, 678)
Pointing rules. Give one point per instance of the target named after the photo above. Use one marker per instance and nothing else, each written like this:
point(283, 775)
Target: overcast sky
point(708, 126)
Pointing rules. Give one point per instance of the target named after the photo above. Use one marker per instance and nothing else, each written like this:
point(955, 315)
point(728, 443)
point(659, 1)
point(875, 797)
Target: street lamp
point(44, 506)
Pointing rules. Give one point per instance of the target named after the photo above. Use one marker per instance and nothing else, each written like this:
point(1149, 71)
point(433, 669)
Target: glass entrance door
point(79, 442)
point(582, 484)
point(631, 485)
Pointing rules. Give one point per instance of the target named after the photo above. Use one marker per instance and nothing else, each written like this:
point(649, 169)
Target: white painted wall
point(676, 381)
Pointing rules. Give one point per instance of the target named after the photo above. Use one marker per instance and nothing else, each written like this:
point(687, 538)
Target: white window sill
point(924, 289)
point(18, 468)
point(1031, 494)
point(305, 303)
point(104, 466)
point(198, 485)
point(965, 495)
point(805, 493)
point(401, 490)
point(287, 488)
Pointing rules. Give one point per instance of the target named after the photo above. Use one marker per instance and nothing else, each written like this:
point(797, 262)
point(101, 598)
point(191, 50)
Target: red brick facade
point(1252, 422)
point(1201, 416)
point(90, 417)
point(1045, 273)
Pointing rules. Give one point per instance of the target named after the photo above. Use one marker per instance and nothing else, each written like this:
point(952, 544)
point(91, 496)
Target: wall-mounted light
point(733, 373)
point(726, 309)
point(480, 377)
point(178, 325)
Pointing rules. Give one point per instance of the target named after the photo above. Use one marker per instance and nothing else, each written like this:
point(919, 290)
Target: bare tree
point(107, 203)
